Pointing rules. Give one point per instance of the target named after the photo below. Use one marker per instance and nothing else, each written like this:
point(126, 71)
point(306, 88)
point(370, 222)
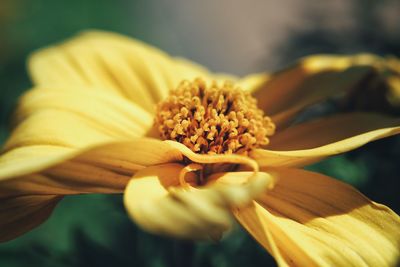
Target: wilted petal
point(379, 92)
point(312, 220)
point(113, 63)
point(156, 201)
point(311, 80)
point(309, 142)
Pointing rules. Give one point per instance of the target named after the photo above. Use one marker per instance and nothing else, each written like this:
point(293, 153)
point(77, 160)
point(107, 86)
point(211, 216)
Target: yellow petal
point(312, 79)
point(21, 214)
point(217, 158)
point(312, 220)
point(113, 63)
point(329, 130)
point(102, 169)
point(30, 159)
point(111, 114)
point(253, 82)
point(381, 91)
point(53, 125)
point(312, 141)
point(121, 157)
point(393, 95)
point(70, 119)
point(156, 203)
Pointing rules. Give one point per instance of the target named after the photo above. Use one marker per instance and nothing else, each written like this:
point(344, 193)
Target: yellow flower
point(91, 123)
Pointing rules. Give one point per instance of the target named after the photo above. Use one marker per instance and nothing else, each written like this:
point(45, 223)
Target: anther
point(214, 119)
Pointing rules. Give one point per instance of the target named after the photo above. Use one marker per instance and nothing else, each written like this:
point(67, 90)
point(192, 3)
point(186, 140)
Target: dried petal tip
point(213, 119)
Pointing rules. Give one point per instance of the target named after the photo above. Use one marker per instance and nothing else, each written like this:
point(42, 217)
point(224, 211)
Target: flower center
point(214, 119)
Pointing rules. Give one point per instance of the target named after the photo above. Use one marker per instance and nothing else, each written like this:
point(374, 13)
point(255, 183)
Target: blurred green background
point(232, 36)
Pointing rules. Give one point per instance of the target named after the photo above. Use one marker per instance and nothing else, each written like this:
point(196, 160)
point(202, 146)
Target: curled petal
point(106, 167)
point(312, 141)
point(313, 79)
point(125, 157)
point(212, 159)
point(154, 200)
point(34, 179)
point(312, 220)
point(239, 188)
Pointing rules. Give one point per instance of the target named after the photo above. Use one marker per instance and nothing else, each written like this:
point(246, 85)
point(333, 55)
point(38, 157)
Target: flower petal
point(114, 115)
point(101, 169)
point(21, 214)
point(313, 220)
point(113, 63)
point(212, 159)
point(312, 79)
point(253, 82)
point(157, 203)
point(53, 125)
point(312, 141)
point(121, 157)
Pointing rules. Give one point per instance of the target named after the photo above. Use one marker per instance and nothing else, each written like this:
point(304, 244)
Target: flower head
point(93, 122)
point(215, 119)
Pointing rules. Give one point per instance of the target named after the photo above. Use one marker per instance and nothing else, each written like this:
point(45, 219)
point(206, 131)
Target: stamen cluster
point(213, 119)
